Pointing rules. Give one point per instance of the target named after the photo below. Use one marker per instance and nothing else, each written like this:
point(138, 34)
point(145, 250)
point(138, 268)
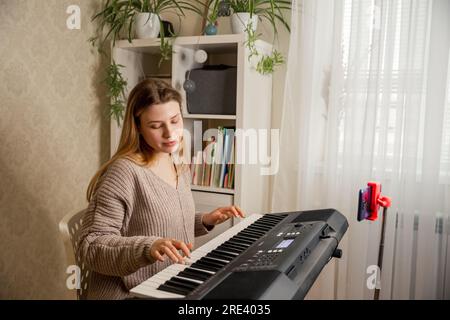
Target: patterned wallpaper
point(54, 136)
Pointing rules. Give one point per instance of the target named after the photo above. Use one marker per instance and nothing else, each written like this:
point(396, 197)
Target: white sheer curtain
point(368, 96)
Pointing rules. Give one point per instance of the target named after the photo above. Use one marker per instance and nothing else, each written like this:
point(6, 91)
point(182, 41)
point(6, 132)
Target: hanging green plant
point(268, 10)
point(165, 49)
point(116, 92)
point(266, 63)
point(118, 20)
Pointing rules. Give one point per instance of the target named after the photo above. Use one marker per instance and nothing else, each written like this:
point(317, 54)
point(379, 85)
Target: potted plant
point(245, 11)
point(140, 18)
point(244, 19)
point(129, 18)
point(211, 17)
point(244, 15)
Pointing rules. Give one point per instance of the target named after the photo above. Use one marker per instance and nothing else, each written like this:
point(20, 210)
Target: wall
point(54, 135)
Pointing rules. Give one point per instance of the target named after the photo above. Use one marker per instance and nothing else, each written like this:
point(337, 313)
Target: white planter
point(240, 20)
point(145, 27)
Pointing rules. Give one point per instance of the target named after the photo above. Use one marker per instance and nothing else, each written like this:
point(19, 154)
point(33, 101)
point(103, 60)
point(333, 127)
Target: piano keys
point(270, 246)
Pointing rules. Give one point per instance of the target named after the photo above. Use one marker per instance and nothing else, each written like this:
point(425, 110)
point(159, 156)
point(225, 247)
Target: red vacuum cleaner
point(370, 201)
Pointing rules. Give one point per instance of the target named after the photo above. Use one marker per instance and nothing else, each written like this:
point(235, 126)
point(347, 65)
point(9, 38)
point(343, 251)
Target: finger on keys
point(173, 247)
point(170, 254)
point(183, 247)
point(241, 213)
point(234, 211)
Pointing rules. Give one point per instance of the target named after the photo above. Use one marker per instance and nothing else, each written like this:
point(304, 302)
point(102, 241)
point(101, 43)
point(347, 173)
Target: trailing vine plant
point(116, 91)
point(266, 63)
point(117, 17)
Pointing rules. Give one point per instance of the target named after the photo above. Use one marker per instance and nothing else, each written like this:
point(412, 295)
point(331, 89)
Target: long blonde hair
point(132, 145)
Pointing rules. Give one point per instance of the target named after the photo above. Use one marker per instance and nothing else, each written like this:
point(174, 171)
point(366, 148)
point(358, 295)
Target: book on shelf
point(213, 166)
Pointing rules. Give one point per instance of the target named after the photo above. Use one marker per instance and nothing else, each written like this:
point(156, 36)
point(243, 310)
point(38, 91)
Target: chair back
point(70, 228)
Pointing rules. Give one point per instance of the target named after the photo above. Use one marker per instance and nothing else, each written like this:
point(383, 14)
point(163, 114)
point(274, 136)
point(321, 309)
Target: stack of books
point(214, 166)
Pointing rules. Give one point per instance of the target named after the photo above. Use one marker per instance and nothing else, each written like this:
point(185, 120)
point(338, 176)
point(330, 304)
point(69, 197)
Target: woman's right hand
point(170, 248)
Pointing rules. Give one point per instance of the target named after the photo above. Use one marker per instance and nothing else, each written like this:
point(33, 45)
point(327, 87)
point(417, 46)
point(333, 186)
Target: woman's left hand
point(222, 214)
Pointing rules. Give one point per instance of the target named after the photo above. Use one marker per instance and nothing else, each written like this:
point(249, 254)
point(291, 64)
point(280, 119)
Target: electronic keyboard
point(270, 256)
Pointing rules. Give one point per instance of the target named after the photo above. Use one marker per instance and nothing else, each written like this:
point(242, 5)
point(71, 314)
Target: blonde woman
point(141, 215)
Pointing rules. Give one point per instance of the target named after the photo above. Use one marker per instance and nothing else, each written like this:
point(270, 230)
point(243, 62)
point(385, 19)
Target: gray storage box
point(215, 90)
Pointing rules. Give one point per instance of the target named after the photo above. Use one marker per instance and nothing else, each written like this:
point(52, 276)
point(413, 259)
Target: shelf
point(209, 116)
point(253, 104)
point(221, 43)
point(140, 45)
point(221, 39)
point(211, 189)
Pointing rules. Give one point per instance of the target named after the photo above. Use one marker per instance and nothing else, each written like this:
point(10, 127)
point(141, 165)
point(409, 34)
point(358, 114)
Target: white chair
point(70, 228)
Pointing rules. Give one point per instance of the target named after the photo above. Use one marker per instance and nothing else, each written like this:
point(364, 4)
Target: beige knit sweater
point(131, 209)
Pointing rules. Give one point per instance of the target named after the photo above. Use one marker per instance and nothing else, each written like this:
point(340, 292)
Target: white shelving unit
point(253, 109)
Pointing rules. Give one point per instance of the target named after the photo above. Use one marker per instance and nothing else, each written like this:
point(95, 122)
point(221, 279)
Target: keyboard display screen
point(285, 243)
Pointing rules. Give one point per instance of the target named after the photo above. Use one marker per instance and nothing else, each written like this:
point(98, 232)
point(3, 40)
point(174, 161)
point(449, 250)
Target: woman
point(141, 215)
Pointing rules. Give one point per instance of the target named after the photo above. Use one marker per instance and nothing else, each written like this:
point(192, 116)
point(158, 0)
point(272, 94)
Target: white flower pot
point(240, 20)
point(146, 25)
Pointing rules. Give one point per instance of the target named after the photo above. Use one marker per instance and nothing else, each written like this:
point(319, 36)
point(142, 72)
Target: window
point(385, 51)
